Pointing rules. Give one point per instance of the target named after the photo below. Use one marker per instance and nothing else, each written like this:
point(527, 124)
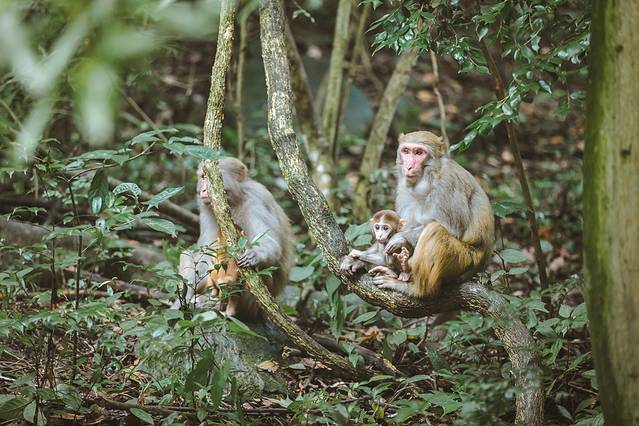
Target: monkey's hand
point(248, 259)
point(383, 270)
point(395, 244)
point(349, 265)
point(355, 254)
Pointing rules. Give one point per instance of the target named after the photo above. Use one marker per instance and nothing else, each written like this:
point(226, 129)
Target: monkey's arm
point(267, 250)
point(374, 254)
point(407, 238)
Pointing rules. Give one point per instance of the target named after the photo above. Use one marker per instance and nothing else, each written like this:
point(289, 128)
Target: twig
point(513, 140)
point(330, 113)
point(239, 85)
point(440, 99)
point(145, 117)
point(369, 356)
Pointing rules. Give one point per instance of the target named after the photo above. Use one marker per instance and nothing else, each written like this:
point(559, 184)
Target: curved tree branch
point(325, 231)
point(215, 186)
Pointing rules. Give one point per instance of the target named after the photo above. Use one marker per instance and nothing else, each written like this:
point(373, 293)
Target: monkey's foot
point(383, 270)
point(404, 276)
point(390, 283)
point(230, 311)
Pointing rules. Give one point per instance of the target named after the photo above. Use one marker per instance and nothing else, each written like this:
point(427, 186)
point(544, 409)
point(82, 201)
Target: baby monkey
point(385, 224)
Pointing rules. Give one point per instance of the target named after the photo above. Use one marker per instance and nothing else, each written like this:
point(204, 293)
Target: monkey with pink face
point(255, 211)
point(449, 221)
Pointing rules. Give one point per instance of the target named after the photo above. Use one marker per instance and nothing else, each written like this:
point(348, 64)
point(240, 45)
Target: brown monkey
point(449, 219)
point(385, 224)
point(255, 212)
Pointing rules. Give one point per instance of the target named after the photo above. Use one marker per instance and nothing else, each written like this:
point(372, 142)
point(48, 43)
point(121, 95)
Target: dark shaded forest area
point(139, 263)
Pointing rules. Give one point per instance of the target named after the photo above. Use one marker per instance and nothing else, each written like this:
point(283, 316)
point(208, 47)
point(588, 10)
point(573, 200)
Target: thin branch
point(513, 140)
point(317, 146)
point(239, 85)
point(330, 113)
point(381, 124)
point(440, 99)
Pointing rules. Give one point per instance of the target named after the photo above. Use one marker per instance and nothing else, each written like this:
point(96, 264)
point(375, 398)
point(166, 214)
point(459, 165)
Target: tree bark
point(325, 231)
point(381, 124)
point(330, 114)
point(213, 138)
point(611, 202)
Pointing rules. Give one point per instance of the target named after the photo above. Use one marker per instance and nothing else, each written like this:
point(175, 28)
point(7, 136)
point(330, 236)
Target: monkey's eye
point(404, 150)
point(385, 227)
point(376, 226)
point(419, 153)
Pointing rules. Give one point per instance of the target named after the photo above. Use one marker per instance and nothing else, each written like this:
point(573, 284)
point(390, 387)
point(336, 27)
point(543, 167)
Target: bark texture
point(611, 202)
point(381, 124)
point(326, 233)
point(215, 186)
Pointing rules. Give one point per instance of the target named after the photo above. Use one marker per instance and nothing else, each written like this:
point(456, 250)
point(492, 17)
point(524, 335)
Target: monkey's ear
point(402, 224)
point(242, 172)
point(440, 146)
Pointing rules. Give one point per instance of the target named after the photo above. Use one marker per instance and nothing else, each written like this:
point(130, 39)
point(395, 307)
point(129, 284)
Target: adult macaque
point(385, 224)
point(449, 219)
point(255, 212)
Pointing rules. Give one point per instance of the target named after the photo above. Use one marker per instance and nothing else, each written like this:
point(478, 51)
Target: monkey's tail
point(440, 256)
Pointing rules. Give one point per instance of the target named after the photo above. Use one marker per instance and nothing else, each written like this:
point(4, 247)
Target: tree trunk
point(611, 202)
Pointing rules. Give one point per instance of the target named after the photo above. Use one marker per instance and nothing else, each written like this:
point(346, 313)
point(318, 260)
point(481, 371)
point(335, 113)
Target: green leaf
point(518, 271)
point(300, 273)
point(363, 240)
point(397, 338)
point(237, 326)
point(564, 311)
point(545, 86)
point(162, 196)
point(98, 190)
point(443, 400)
point(199, 375)
point(367, 316)
point(513, 256)
point(12, 408)
point(161, 225)
point(355, 231)
point(219, 380)
point(128, 187)
point(481, 33)
point(142, 415)
point(150, 136)
point(332, 284)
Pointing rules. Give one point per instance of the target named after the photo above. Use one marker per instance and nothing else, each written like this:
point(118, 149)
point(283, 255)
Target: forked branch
point(213, 138)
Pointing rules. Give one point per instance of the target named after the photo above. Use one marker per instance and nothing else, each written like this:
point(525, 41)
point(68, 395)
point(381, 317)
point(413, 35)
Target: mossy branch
point(325, 231)
point(215, 186)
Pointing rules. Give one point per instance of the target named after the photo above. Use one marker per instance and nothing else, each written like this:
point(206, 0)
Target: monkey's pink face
point(413, 157)
point(202, 192)
point(382, 231)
